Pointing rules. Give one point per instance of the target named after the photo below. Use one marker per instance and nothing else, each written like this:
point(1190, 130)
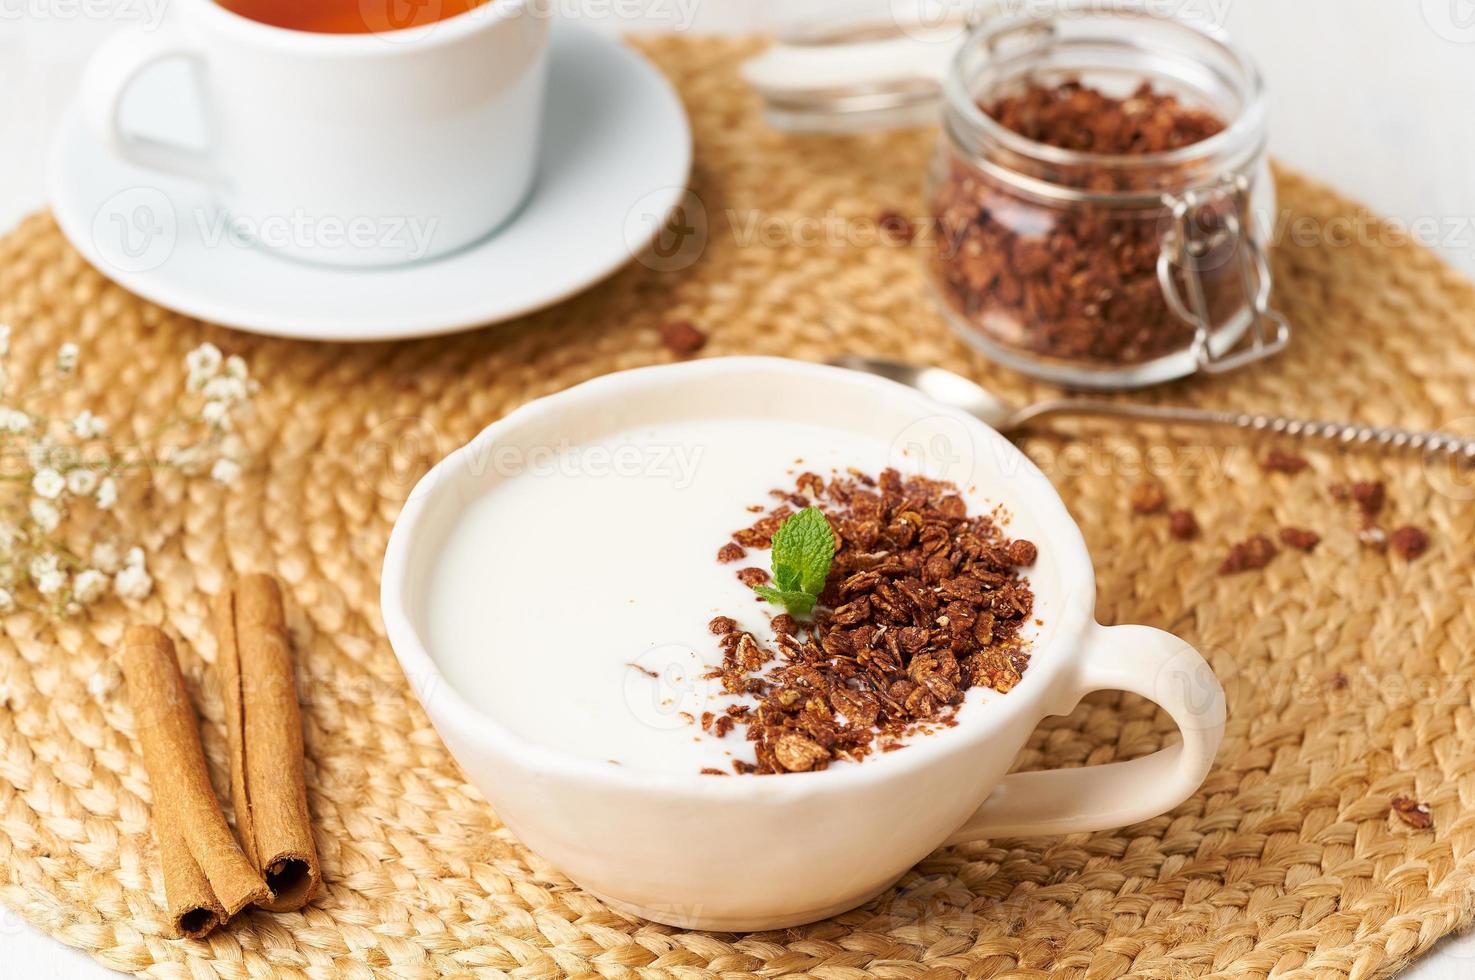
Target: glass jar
point(1089, 269)
point(1104, 270)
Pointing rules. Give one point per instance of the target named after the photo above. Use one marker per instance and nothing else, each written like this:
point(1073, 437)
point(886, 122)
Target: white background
point(1371, 96)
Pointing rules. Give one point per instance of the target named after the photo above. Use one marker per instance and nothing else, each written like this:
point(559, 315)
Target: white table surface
point(1370, 96)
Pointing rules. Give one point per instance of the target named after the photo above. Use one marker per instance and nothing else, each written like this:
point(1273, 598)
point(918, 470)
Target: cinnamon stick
point(264, 730)
point(207, 878)
point(194, 911)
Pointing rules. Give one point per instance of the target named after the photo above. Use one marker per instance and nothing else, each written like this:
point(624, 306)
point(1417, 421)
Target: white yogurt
point(603, 556)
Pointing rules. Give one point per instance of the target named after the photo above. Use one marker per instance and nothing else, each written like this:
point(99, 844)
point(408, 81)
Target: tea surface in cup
point(349, 16)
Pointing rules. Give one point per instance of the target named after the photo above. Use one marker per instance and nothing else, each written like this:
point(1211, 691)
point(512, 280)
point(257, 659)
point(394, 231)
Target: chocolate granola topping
point(730, 552)
point(922, 603)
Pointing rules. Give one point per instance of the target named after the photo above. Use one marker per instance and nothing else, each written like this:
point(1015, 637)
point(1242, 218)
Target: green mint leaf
point(803, 548)
point(797, 603)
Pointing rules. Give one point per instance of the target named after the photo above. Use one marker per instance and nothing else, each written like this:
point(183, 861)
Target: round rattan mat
point(1349, 671)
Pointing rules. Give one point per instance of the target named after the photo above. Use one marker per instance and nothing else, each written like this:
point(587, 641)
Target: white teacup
point(765, 852)
point(346, 149)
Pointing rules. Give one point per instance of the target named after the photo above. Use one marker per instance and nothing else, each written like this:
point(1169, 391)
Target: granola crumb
point(752, 576)
point(1023, 553)
point(730, 552)
point(1408, 542)
point(715, 772)
point(1368, 495)
point(1417, 815)
point(1299, 538)
point(1253, 553)
point(799, 754)
point(722, 625)
point(1279, 461)
point(896, 227)
point(682, 337)
point(1183, 525)
point(1148, 497)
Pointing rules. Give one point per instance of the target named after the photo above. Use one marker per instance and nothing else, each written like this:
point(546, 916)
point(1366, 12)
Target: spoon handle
point(1346, 433)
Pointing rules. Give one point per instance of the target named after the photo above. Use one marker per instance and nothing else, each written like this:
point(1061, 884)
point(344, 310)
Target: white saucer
point(616, 156)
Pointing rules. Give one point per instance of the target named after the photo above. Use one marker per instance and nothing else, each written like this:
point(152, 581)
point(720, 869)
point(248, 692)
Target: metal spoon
point(955, 390)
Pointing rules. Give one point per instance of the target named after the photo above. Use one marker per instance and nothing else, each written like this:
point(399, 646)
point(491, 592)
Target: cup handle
point(1146, 661)
point(105, 84)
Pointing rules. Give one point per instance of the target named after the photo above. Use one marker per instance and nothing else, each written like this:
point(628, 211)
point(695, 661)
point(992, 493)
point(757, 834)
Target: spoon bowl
point(938, 384)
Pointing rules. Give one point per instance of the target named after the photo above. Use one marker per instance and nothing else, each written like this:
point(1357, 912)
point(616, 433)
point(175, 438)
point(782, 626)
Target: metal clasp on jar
point(1207, 222)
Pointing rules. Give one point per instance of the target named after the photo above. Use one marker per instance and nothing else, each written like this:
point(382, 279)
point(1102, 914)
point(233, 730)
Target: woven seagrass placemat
point(1349, 672)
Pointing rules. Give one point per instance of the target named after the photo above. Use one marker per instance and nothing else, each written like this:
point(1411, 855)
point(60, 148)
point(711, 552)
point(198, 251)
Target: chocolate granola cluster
point(1078, 282)
point(922, 603)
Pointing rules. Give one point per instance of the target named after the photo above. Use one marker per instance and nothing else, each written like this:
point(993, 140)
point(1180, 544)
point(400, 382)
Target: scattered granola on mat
point(1148, 497)
point(1253, 553)
point(1417, 815)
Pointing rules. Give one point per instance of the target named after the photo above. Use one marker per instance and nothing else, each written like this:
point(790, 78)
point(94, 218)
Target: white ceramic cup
point(766, 852)
point(345, 149)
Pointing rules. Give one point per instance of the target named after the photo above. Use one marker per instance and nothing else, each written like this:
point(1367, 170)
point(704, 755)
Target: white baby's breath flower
point(105, 557)
point(15, 422)
point(43, 565)
point(187, 458)
point(202, 363)
point(225, 389)
point(133, 582)
point(82, 482)
point(66, 357)
point(52, 583)
point(216, 414)
point(48, 483)
point(72, 457)
point(105, 680)
point(88, 426)
point(225, 471)
point(89, 586)
point(45, 514)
